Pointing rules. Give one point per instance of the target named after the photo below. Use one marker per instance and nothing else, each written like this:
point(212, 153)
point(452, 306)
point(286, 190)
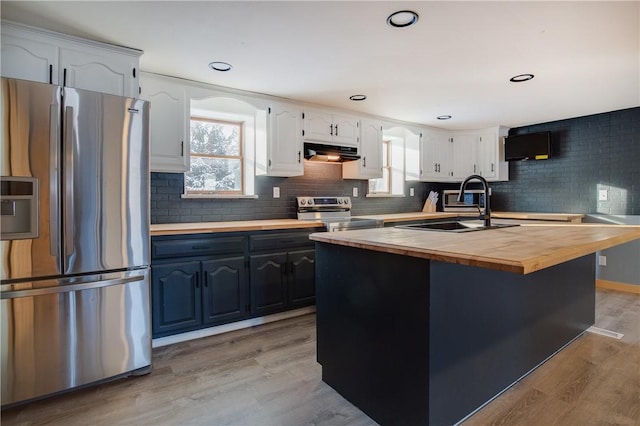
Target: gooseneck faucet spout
point(487, 205)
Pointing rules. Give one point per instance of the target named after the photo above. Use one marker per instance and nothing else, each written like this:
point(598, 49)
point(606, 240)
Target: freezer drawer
point(60, 334)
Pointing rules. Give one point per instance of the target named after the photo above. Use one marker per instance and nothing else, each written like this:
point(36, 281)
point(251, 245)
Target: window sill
point(385, 195)
point(220, 196)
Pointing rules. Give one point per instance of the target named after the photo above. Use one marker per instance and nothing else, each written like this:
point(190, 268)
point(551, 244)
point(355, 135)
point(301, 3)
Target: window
point(216, 157)
point(382, 185)
point(391, 184)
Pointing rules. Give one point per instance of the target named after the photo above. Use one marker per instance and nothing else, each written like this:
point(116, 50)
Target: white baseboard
point(225, 328)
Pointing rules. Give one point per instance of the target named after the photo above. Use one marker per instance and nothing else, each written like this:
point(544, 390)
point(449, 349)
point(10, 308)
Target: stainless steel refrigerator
point(74, 249)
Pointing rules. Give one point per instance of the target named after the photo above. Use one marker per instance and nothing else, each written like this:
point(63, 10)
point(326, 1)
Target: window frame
point(240, 157)
point(386, 145)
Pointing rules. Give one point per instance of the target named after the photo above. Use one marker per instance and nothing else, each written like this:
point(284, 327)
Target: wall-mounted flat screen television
point(528, 146)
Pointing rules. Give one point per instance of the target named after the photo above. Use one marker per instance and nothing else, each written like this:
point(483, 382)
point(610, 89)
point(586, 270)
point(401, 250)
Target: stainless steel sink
point(453, 226)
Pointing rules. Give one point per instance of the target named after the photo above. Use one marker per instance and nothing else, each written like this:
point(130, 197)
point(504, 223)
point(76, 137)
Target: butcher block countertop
point(272, 224)
point(400, 217)
point(520, 249)
point(231, 226)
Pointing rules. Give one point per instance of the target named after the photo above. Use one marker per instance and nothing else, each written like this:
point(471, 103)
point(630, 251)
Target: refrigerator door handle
point(68, 171)
point(70, 287)
point(54, 206)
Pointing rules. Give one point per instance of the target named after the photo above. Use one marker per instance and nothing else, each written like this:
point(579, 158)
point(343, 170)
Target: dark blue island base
point(412, 341)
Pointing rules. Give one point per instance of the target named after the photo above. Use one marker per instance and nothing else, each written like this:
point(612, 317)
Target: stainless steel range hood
point(330, 153)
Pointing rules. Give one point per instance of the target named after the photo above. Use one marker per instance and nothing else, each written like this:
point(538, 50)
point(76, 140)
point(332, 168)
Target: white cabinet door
point(464, 149)
point(336, 129)
point(345, 130)
point(29, 60)
point(168, 124)
point(487, 156)
point(318, 126)
point(490, 156)
point(284, 145)
point(370, 164)
point(436, 164)
point(99, 71)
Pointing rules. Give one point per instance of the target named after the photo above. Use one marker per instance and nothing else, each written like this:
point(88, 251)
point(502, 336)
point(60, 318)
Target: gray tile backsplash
point(594, 152)
point(167, 206)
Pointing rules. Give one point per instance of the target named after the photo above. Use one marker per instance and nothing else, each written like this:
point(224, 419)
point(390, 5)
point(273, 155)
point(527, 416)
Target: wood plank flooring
point(267, 375)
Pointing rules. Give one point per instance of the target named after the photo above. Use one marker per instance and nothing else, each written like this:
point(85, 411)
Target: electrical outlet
point(355, 191)
point(602, 260)
point(411, 192)
point(276, 192)
point(603, 194)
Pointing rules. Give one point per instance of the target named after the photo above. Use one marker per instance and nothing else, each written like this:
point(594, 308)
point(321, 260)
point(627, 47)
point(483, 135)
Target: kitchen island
point(425, 327)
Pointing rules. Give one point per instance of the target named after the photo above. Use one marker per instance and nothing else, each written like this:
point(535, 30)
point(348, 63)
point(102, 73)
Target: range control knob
point(303, 201)
point(310, 201)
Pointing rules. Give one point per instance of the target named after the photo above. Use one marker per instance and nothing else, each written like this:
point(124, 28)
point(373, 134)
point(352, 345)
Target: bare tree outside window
point(216, 157)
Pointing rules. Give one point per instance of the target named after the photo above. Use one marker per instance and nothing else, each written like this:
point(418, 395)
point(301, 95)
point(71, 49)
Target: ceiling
point(456, 60)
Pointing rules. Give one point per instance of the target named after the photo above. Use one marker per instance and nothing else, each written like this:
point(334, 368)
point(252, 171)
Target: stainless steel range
point(334, 212)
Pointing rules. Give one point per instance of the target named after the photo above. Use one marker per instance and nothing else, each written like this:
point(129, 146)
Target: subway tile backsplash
point(319, 179)
point(594, 152)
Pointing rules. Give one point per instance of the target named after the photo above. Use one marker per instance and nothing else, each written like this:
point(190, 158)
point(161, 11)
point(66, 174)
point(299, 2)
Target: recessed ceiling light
point(443, 117)
point(220, 66)
point(402, 18)
point(520, 78)
point(358, 97)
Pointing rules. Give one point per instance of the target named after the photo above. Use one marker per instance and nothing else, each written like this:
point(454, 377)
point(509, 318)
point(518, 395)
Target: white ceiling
point(457, 60)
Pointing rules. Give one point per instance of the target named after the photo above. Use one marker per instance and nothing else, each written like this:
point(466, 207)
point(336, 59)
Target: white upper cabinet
point(106, 72)
point(464, 152)
point(284, 156)
point(490, 157)
point(168, 123)
point(370, 164)
point(321, 126)
point(436, 156)
point(29, 60)
point(38, 55)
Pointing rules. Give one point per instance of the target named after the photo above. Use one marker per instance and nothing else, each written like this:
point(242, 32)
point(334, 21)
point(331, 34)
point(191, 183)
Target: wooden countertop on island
point(520, 249)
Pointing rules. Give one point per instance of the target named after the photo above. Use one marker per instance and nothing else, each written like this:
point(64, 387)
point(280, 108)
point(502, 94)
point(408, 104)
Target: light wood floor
point(267, 375)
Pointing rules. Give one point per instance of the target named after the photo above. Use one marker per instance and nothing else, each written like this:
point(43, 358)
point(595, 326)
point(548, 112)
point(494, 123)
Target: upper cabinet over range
point(323, 126)
point(38, 55)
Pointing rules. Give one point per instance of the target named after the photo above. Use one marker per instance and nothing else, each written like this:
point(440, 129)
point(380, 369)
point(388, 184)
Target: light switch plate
point(411, 192)
point(603, 194)
point(355, 191)
point(276, 192)
point(602, 260)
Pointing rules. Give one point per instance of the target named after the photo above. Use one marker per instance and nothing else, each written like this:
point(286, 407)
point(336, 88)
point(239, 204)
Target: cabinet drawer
point(279, 241)
point(196, 247)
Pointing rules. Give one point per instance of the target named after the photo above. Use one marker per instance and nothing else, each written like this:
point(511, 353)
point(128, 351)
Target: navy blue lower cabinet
point(203, 280)
point(176, 297)
point(302, 278)
point(268, 283)
point(223, 290)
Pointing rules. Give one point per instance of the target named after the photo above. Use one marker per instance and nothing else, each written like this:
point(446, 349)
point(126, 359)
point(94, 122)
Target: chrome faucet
point(487, 205)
